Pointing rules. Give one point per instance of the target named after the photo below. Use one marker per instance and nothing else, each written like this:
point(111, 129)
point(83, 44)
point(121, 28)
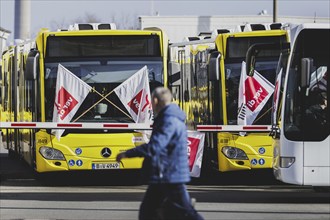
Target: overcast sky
point(51, 13)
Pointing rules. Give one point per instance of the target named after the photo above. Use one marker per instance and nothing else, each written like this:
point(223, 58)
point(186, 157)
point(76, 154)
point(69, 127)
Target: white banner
point(69, 94)
point(277, 93)
point(241, 116)
point(195, 152)
point(254, 92)
point(134, 93)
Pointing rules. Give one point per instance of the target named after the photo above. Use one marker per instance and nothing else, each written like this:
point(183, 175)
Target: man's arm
point(159, 139)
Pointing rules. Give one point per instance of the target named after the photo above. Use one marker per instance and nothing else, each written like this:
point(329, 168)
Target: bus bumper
point(254, 162)
point(72, 163)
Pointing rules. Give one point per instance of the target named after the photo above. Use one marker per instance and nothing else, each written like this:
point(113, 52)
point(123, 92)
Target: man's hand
point(120, 156)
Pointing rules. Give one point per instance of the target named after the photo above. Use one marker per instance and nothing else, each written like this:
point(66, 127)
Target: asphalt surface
point(13, 168)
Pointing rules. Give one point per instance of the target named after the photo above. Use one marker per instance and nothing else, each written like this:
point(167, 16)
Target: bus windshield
point(306, 114)
point(103, 77)
point(266, 65)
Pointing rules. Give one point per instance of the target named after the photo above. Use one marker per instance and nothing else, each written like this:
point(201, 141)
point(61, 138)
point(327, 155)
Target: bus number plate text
point(104, 166)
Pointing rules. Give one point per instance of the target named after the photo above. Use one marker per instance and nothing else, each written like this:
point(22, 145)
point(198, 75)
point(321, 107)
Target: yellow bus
point(13, 60)
point(204, 77)
point(103, 58)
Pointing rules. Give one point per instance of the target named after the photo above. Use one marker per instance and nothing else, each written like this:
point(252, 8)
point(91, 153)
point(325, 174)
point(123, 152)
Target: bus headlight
point(51, 153)
point(234, 153)
point(286, 162)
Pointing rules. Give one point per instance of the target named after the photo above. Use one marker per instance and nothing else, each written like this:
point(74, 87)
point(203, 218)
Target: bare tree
point(88, 18)
point(125, 21)
point(58, 24)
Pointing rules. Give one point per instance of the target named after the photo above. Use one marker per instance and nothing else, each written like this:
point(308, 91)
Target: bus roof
point(295, 30)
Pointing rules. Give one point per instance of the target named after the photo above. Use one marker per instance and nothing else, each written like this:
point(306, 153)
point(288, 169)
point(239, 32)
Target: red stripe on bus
point(209, 127)
point(23, 125)
point(255, 127)
point(69, 125)
point(115, 126)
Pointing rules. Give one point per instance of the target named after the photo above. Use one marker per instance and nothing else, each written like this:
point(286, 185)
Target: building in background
point(179, 27)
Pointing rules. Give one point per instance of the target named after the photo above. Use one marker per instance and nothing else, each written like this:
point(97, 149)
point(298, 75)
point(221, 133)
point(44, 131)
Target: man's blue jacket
point(165, 155)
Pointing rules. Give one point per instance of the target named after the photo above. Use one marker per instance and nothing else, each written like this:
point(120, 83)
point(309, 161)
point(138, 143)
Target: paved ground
point(11, 168)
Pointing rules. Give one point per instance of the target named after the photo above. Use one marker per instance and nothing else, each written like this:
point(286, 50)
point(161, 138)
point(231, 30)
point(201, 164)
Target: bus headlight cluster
point(51, 153)
point(234, 153)
point(286, 162)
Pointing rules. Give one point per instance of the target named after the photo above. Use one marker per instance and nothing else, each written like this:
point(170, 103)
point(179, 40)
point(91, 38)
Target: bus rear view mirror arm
point(255, 49)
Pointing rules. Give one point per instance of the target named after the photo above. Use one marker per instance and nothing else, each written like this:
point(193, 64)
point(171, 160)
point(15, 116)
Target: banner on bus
point(195, 152)
point(134, 93)
point(69, 95)
point(195, 148)
point(277, 92)
point(254, 92)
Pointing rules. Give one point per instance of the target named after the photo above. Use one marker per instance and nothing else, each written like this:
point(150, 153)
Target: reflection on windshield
point(103, 79)
point(307, 114)
point(233, 73)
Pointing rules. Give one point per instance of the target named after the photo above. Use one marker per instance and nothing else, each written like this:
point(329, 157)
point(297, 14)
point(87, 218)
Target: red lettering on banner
point(254, 93)
point(134, 104)
point(65, 103)
point(192, 150)
point(147, 103)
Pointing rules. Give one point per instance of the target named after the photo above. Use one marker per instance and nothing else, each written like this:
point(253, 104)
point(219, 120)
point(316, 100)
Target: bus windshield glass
point(266, 64)
point(103, 46)
point(103, 78)
point(306, 113)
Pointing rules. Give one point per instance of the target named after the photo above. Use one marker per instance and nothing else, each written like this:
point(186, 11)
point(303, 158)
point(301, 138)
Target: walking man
point(166, 163)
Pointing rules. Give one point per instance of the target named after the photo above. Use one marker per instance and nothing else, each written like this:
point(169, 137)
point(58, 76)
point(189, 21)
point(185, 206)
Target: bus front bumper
point(76, 163)
point(254, 162)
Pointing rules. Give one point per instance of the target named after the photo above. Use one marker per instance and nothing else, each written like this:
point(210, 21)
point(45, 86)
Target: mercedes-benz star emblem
point(106, 152)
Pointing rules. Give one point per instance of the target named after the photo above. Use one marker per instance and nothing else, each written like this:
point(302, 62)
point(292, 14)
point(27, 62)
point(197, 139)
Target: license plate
point(104, 166)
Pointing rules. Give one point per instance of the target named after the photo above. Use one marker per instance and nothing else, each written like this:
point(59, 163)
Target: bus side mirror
point(214, 66)
point(32, 63)
point(174, 71)
point(306, 69)
point(250, 59)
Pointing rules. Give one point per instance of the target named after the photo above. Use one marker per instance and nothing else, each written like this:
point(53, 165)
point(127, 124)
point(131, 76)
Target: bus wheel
point(209, 164)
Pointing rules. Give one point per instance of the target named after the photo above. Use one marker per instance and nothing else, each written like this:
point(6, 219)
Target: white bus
point(302, 133)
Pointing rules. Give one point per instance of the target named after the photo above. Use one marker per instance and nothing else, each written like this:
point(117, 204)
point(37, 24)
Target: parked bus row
point(208, 78)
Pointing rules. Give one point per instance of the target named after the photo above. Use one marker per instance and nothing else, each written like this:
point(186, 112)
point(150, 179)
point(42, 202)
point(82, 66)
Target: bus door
point(175, 75)
point(315, 122)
